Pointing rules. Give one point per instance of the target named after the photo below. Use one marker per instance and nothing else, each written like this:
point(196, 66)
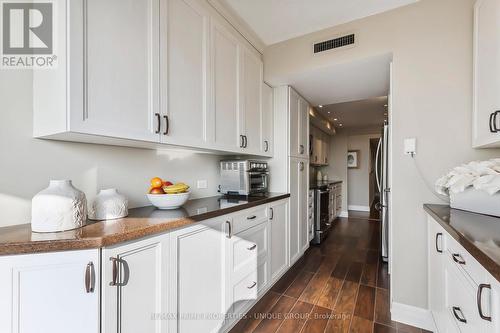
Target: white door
point(267, 120)
point(198, 277)
point(486, 73)
point(50, 293)
point(303, 190)
point(118, 95)
point(225, 60)
point(278, 214)
point(251, 100)
point(135, 284)
point(186, 100)
point(436, 276)
point(303, 128)
point(294, 109)
point(297, 167)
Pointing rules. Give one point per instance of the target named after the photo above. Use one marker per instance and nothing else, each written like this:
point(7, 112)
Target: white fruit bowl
point(168, 201)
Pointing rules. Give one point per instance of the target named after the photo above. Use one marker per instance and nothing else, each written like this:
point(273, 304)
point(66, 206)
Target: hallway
point(339, 286)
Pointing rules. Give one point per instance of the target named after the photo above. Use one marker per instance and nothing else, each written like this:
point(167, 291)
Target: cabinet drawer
point(247, 289)
point(248, 246)
point(464, 260)
point(249, 219)
point(461, 300)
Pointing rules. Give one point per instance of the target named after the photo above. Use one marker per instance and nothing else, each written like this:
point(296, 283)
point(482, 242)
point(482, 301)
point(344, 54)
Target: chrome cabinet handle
point(229, 229)
point(253, 217)
point(167, 125)
point(245, 140)
point(252, 247)
point(479, 297)
point(458, 258)
point(301, 166)
point(439, 234)
point(271, 210)
point(493, 122)
point(460, 318)
point(302, 149)
point(158, 121)
point(90, 278)
point(242, 141)
point(267, 146)
point(253, 285)
point(114, 279)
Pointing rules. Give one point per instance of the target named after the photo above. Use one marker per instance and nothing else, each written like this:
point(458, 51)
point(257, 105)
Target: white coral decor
point(59, 207)
point(481, 175)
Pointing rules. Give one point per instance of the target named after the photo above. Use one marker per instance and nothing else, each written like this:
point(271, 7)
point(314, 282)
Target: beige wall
point(358, 180)
point(27, 164)
point(431, 43)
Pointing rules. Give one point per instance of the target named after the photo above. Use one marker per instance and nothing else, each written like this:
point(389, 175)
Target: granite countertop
point(318, 183)
point(478, 234)
point(141, 222)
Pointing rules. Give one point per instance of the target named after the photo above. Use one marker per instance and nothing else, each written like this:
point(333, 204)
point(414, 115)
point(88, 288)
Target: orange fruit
point(156, 191)
point(156, 182)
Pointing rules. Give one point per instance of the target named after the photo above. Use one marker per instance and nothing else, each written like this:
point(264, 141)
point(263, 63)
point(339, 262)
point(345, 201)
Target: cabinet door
point(251, 99)
point(293, 105)
point(294, 231)
point(225, 60)
point(278, 217)
point(303, 128)
point(436, 289)
point(48, 293)
point(199, 277)
point(324, 147)
point(486, 71)
point(188, 74)
point(135, 287)
point(267, 120)
point(120, 92)
point(303, 196)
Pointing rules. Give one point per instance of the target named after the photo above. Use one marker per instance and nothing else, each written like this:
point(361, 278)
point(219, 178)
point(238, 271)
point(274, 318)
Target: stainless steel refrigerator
point(381, 173)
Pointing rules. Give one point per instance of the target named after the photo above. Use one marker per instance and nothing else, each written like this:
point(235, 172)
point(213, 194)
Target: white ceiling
point(341, 83)
point(278, 20)
point(366, 113)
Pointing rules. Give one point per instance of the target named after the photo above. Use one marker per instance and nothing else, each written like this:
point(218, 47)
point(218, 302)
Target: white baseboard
point(413, 316)
point(359, 208)
point(344, 213)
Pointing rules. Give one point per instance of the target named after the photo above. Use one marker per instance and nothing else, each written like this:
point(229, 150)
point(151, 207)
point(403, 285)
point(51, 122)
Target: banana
point(176, 188)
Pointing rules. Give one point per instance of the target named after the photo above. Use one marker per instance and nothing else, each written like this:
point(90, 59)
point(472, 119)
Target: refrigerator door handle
point(377, 156)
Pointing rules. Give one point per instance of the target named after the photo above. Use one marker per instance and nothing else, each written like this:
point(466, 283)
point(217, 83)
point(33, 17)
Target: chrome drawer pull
point(252, 247)
point(253, 285)
point(251, 217)
point(479, 297)
point(271, 210)
point(437, 237)
point(458, 258)
point(229, 229)
point(114, 278)
point(90, 278)
point(460, 318)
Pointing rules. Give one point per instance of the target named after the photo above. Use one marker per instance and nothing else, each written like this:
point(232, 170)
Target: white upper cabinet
point(187, 52)
point(267, 120)
point(177, 73)
point(225, 60)
point(299, 125)
point(486, 108)
point(251, 100)
point(303, 128)
point(50, 292)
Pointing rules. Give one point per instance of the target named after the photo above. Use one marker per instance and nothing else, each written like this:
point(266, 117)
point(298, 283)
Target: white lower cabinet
point(463, 296)
point(50, 292)
point(298, 234)
point(278, 218)
point(198, 277)
point(135, 282)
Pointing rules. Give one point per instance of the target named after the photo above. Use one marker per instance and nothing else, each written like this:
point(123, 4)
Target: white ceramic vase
point(59, 207)
point(108, 205)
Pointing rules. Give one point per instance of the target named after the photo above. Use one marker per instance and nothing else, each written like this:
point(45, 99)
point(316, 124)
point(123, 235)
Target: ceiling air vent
point(334, 43)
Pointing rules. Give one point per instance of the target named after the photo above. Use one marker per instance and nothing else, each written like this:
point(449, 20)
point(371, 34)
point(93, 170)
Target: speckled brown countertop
point(141, 222)
point(478, 234)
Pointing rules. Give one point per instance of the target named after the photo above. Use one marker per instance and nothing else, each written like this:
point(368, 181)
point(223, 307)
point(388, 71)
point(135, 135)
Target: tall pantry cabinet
point(292, 154)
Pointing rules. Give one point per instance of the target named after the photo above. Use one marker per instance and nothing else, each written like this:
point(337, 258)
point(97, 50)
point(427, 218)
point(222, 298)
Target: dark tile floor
point(340, 286)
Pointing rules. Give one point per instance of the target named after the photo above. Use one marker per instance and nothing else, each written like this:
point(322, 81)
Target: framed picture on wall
point(353, 159)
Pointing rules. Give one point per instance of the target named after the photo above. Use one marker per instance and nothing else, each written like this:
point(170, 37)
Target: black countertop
point(478, 234)
point(141, 222)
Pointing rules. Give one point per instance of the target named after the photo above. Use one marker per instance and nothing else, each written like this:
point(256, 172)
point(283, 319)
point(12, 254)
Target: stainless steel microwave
point(244, 177)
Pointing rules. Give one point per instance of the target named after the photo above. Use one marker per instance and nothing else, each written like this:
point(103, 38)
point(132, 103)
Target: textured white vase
point(108, 204)
point(59, 207)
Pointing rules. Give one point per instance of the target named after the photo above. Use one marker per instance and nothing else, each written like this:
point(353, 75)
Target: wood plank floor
point(340, 286)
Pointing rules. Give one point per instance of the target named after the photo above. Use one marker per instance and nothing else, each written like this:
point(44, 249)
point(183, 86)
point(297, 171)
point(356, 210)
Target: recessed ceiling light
point(385, 105)
point(329, 112)
point(320, 106)
point(340, 125)
point(335, 119)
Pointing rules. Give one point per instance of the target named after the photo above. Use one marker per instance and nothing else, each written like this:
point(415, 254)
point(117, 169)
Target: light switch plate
point(410, 145)
point(202, 184)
